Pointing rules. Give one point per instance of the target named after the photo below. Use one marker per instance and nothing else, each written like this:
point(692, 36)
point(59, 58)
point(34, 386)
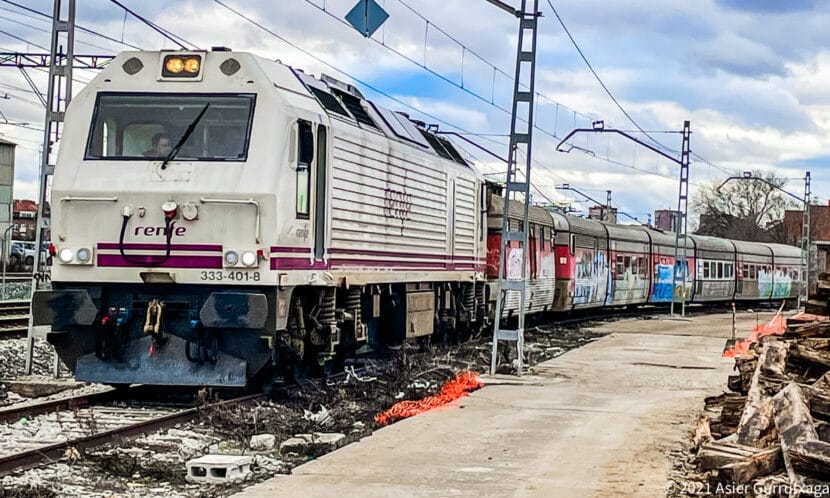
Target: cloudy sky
point(750, 76)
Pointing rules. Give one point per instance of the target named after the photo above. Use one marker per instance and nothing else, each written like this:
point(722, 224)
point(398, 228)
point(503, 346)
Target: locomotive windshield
point(130, 126)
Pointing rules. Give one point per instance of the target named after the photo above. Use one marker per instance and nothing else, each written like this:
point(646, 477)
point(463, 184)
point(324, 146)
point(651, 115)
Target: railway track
point(14, 318)
point(82, 422)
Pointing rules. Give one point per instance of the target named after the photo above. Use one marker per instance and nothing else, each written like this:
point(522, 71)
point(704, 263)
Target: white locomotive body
point(215, 212)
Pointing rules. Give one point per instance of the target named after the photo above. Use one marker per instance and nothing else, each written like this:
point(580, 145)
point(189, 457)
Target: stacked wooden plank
point(776, 420)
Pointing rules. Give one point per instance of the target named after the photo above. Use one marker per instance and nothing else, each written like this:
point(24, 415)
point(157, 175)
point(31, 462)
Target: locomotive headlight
point(83, 254)
point(249, 258)
point(231, 258)
point(174, 65)
point(191, 65)
point(66, 255)
point(181, 66)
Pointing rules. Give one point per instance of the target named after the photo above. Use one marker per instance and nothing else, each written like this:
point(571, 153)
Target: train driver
point(161, 146)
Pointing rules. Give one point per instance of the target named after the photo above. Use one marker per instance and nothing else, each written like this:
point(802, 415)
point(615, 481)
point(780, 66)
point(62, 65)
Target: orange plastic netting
point(774, 326)
point(453, 389)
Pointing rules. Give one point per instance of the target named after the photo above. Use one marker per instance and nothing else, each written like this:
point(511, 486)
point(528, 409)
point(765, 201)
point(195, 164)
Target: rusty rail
point(31, 458)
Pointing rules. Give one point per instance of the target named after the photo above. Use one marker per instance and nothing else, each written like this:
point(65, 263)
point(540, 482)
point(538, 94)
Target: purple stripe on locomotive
point(199, 262)
point(159, 247)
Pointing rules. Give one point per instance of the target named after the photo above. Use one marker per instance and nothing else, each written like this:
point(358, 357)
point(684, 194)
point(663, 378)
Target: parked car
point(22, 252)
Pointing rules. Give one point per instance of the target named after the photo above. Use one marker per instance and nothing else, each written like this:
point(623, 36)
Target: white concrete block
point(263, 442)
point(302, 442)
point(218, 468)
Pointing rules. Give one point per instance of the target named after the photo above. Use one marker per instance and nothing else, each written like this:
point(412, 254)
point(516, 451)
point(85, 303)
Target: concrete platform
point(597, 421)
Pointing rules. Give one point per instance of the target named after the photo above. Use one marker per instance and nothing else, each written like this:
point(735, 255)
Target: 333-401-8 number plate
point(235, 276)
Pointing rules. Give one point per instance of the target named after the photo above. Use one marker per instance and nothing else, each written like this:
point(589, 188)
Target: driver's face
point(163, 146)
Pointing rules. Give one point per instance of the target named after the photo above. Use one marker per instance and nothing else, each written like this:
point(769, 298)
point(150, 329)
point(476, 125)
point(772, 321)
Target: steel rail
point(33, 457)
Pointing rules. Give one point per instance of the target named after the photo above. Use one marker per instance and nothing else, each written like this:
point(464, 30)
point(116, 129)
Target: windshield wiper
point(187, 133)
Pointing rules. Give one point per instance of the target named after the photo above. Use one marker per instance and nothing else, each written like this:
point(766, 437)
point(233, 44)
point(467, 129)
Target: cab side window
point(305, 155)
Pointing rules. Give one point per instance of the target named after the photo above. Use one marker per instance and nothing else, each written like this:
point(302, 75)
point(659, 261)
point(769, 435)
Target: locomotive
point(217, 215)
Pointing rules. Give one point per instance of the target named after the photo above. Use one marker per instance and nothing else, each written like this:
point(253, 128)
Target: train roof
point(587, 226)
point(630, 233)
point(757, 248)
point(707, 243)
point(780, 250)
point(535, 214)
point(560, 221)
point(341, 102)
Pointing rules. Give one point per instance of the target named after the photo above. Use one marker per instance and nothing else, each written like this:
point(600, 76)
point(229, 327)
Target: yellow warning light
point(181, 66)
point(173, 65)
point(191, 65)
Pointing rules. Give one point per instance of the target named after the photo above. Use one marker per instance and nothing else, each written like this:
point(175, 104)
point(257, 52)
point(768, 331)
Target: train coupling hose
point(152, 323)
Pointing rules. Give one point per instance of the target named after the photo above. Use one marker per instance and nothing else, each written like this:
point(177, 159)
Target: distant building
point(7, 150)
point(664, 219)
point(819, 237)
point(25, 219)
point(602, 213)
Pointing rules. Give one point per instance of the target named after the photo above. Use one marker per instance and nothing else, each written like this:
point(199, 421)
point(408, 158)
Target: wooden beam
point(756, 427)
point(811, 355)
point(811, 458)
point(760, 463)
point(716, 454)
point(794, 424)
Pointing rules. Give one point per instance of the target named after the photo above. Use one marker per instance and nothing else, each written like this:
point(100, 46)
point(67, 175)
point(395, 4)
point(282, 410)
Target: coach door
point(320, 195)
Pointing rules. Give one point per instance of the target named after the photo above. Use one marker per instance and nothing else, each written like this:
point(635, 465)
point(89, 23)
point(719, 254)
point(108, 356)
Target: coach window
point(305, 154)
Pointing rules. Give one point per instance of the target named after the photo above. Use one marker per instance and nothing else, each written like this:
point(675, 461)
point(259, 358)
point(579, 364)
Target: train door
point(532, 253)
point(320, 194)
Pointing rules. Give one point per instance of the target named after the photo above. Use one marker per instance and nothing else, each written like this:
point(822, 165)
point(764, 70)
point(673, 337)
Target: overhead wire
point(44, 30)
point(178, 40)
point(613, 98)
point(381, 92)
point(474, 94)
point(77, 26)
point(23, 40)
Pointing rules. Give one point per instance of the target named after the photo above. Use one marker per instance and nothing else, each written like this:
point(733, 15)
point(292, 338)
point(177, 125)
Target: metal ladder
point(804, 294)
point(58, 95)
point(681, 226)
point(516, 188)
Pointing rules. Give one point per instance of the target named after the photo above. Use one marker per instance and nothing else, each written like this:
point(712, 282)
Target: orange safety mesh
point(453, 389)
point(774, 327)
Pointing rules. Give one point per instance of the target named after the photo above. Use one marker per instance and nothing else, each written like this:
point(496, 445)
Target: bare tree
point(744, 209)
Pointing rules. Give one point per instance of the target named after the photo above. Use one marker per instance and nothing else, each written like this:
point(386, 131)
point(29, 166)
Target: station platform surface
point(596, 421)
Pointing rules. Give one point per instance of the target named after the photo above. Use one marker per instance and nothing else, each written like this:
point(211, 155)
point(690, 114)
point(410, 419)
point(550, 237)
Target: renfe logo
point(153, 231)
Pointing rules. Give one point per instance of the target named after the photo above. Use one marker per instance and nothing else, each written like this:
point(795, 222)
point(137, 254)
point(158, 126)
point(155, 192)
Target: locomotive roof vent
point(333, 82)
point(132, 65)
point(229, 67)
